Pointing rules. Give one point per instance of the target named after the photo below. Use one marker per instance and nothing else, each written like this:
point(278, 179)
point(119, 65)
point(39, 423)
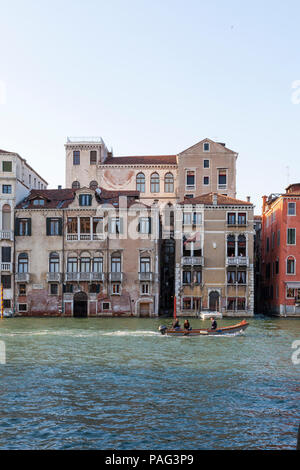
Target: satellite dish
point(98, 191)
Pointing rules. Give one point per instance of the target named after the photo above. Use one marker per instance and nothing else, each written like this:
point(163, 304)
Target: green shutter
point(29, 227)
point(150, 224)
point(17, 226)
point(48, 225)
point(60, 226)
point(121, 225)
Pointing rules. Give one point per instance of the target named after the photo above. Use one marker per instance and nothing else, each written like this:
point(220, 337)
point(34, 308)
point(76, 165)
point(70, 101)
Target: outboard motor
point(162, 329)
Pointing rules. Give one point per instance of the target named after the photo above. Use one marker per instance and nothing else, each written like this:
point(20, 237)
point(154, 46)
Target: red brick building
point(280, 250)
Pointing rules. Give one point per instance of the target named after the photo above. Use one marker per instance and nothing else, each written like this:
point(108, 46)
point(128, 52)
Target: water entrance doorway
point(80, 309)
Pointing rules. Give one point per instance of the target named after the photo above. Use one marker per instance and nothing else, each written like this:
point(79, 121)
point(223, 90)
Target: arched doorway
point(80, 308)
point(214, 301)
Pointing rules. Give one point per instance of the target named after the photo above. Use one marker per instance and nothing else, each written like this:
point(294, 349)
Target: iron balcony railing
point(237, 261)
point(81, 276)
point(22, 277)
point(192, 260)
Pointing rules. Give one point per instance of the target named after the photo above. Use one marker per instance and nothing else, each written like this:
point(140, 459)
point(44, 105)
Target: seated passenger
point(176, 323)
point(186, 325)
point(214, 325)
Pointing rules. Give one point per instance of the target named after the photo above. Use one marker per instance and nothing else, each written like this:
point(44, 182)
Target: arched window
point(75, 185)
point(241, 245)
point(93, 185)
point(231, 245)
point(23, 263)
point(290, 265)
point(154, 183)
point(54, 262)
point(6, 217)
point(169, 183)
point(140, 182)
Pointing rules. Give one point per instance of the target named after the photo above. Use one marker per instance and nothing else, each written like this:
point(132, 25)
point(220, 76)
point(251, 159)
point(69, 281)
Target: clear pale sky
point(153, 77)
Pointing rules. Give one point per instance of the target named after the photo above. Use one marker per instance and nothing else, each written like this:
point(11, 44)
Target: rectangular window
point(116, 289)
point(222, 179)
point(197, 218)
point(54, 289)
point(198, 277)
point(231, 218)
point(187, 303)
point(76, 157)
point(268, 244)
point(85, 225)
point(290, 266)
point(72, 225)
point(145, 265)
point(53, 226)
point(68, 288)
point(106, 306)
point(273, 240)
point(231, 277)
point(187, 218)
point(205, 180)
point(98, 265)
point(291, 236)
point(98, 225)
point(278, 237)
point(72, 265)
point(145, 288)
point(22, 307)
point(205, 163)
point(116, 225)
point(23, 227)
point(85, 265)
point(85, 199)
point(206, 147)
point(242, 218)
point(22, 289)
point(6, 188)
point(144, 225)
point(94, 288)
point(6, 281)
point(291, 208)
point(7, 166)
point(186, 277)
point(241, 303)
point(6, 254)
point(6, 303)
point(190, 179)
point(93, 157)
point(241, 277)
point(290, 293)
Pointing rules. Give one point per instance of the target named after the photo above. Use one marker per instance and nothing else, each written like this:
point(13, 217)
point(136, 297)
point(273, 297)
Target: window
point(72, 225)
point(116, 264)
point(140, 182)
point(190, 179)
point(268, 244)
point(23, 263)
point(85, 199)
point(93, 157)
point(34, 183)
point(98, 265)
point(290, 265)
point(231, 277)
point(144, 225)
point(291, 208)
point(187, 303)
point(85, 265)
point(75, 185)
point(188, 196)
point(6, 254)
point(206, 147)
point(116, 289)
point(76, 157)
point(291, 236)
point(23, 227)
point(154, 183)
point(290, 293)
point(85, 225)
point(241, 245)
point(94, 288)
point(116, 225)
point(54, 263)
point(278, 238)
point(53, 226)
point(6, 281)
point(241, 277)
point(38, 202)
point(205, 163)
point(145, 288)
point(22, 289)
point(7, 166)
point(145, 265)
point(206, 180)
point(186, 277)
point(187, 218)
point(273, 240)
point(54, 289)
point(198, 277)
point(106, 306)
point(6, 303)
point(68, 288)
point(169, 183)
point(231, 303)
point(93, 185)
point(231, 218)
point(6, 188)
point(72, 265)
point(97, 225)
point(242, 218)
point(241, 303)
point(222, 179)
point(230, 245)
point(277, 266)
point(197, 218)
point(22, 307)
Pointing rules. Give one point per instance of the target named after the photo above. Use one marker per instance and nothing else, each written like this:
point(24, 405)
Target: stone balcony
point(192, 261)
point(87, 277)
point(71, 237)
point(116, 277)
point(7, 267)
point(146, 276)
point(53, 277)
point(22, 277)
point(237, 261)
point(6, 235)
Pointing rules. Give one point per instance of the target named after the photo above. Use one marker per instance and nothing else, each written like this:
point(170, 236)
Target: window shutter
point(60, 226)
point(29, 227)
point(6, 254)
point(48, 222)
point(121, 225)
point(80, 199)
point(17, 226)
point(150, 224)
point(109, 225)
point(139, 226)
point(90, 199)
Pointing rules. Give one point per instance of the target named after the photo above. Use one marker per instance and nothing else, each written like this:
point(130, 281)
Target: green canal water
point(118, 384)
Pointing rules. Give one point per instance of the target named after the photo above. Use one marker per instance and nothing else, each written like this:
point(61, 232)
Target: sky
point(154, 77)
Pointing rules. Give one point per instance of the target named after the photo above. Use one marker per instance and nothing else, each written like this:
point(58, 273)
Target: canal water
point(118, 384)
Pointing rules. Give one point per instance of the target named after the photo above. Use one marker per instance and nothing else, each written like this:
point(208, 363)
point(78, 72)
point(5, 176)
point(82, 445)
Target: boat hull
point(227, 330)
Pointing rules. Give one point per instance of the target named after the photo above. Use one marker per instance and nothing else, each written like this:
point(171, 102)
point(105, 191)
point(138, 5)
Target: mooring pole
point(1, 301)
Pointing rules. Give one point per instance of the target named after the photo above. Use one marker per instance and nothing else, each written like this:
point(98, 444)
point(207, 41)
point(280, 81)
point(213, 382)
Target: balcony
point(192, 261)
point(71, 237)
point(6, 267)
point(53, 277)
point(116, 277)
point(84, 277)
point(22, 277)
point(237, 261)
point(145, 276)
point(6, 235)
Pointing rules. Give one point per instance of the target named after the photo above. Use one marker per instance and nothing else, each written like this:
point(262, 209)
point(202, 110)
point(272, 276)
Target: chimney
point(248, 199)
point(215, 199)
point(59, 187)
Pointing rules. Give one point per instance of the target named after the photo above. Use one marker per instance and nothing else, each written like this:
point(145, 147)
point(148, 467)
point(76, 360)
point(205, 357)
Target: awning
point(293, 285)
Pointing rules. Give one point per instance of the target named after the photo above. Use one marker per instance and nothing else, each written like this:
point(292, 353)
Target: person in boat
point(176, 323)
point(214, 325)
point(186, 325)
